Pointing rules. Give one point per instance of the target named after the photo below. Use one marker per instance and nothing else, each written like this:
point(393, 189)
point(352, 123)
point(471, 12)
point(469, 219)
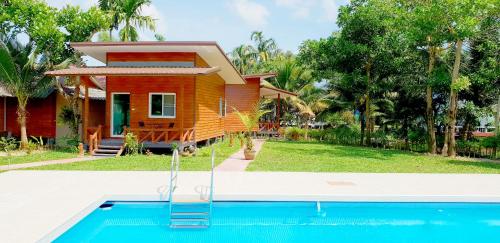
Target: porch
point(160, 112)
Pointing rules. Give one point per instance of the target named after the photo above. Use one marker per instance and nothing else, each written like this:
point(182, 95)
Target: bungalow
point(163, 92)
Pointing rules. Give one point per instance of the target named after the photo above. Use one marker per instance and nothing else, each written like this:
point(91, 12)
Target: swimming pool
point(295, 222)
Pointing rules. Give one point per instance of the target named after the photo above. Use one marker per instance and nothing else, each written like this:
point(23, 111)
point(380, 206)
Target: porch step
point(109, 147)
point(104, 155)
point(106, 151)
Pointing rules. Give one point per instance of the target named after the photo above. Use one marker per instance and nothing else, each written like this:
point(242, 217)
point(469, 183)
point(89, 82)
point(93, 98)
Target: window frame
point(162, 105)
point(222, 107)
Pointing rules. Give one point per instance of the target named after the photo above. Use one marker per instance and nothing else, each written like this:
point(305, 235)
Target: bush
point(343, 135)
point(491, 142)
point(8, 144)
point(417, 136)
point(317, 134)
point(132, 144)
point(381, 138)
point(294, 133)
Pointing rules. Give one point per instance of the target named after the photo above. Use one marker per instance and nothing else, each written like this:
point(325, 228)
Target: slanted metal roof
point(132, 71)
point(210, 51)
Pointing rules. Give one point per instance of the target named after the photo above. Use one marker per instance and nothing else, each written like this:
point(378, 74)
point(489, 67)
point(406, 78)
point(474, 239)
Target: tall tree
point(463, 19)
point(130, 14)
point(112, 8)
point(265, 48)
point(424, 23)
point(243, 57)
point(364, 47)
point(22, 74)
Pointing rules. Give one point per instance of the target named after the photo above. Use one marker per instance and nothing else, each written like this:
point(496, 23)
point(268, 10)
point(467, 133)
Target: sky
point(230, 22)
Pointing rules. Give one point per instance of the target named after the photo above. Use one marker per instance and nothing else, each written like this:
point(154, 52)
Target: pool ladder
point(191, 213)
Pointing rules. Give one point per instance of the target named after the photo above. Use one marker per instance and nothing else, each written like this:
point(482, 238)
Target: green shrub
point(317, 134)
point(132, 144)
point(294, 133)
point(68, 117)
point(491, 142)
point(8, 144)
point(343, 135)
point(417, 136)
point(382, 138)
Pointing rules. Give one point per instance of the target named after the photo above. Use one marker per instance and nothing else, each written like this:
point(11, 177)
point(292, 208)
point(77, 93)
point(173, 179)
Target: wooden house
point(163, 92)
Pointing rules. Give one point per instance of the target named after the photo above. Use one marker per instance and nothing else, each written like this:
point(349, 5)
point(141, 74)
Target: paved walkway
point(47, 162)
point(35, 203)
point(237, 162)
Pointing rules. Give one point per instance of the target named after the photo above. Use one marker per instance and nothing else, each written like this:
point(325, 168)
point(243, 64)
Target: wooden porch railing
point(95, 138)
point(268, 126)
point(156, 135)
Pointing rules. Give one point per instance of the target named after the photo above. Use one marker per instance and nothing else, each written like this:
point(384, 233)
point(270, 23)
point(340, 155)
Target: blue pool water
point(296, 222)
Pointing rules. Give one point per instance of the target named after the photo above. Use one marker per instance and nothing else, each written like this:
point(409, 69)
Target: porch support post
point(278, 110)
point(76, 100)
point(86, 114)
point(181, 114)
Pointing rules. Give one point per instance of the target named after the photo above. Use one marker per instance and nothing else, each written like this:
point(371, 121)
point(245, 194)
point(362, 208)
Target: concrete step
point(106, 151)
point(104, 155)
point(110, 147)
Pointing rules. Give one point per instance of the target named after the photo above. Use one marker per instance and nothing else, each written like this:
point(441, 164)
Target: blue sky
point(230, 22)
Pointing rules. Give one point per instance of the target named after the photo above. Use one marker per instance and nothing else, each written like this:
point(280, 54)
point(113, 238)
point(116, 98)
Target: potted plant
point(231, 139)
point(251, 121)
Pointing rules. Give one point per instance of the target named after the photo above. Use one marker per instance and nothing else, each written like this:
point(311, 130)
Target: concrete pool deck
point(35, 203)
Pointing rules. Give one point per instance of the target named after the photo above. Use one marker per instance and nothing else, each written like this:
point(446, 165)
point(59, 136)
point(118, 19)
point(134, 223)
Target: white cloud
point(161, 23)
point(331, 10)
point(300, 8)
point(254, 14)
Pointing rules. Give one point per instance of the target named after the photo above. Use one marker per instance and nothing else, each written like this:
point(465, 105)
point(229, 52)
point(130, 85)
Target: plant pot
point(249, 154)
point(185, 154)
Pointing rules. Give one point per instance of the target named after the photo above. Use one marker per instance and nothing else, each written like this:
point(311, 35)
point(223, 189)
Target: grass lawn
point(37, 156)
point(319, 157)
point(153, 162)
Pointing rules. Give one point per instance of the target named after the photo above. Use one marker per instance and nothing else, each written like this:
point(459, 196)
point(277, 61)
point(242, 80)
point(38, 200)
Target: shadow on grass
point(327, 149)
point(485, 165)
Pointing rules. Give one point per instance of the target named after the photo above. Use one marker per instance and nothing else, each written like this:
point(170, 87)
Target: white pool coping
point(39, 205)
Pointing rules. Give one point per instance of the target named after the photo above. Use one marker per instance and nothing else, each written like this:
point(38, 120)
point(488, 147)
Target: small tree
point(22, 74)
point(251, 121)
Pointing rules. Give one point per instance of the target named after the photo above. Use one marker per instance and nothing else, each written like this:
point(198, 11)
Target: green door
point(121, 113)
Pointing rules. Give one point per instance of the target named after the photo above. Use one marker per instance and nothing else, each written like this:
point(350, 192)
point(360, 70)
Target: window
point(162, 105)
point(222, 107)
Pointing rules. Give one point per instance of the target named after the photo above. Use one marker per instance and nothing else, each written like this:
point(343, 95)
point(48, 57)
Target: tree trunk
point(444, 151)
point(368, 105)
point(431, 131)
point(497, 118)
point(75, 106)
point(452, 113)
point(363, 126)
point(21, 119)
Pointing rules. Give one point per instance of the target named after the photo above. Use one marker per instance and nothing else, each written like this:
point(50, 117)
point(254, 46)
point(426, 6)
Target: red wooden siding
point(242, 97)
point(2, 113)
point(139, 89)
point(209, 89)
point(209, 124)
point(96, 113)
point(41, 119)
point(200, 101)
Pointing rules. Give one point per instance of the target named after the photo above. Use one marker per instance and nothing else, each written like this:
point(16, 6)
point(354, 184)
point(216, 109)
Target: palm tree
point(243, 57)
point(130, 14)
point(310, 102)
point(22, 74)
point(251, 121)
point(112, 7)
point(265, 48)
